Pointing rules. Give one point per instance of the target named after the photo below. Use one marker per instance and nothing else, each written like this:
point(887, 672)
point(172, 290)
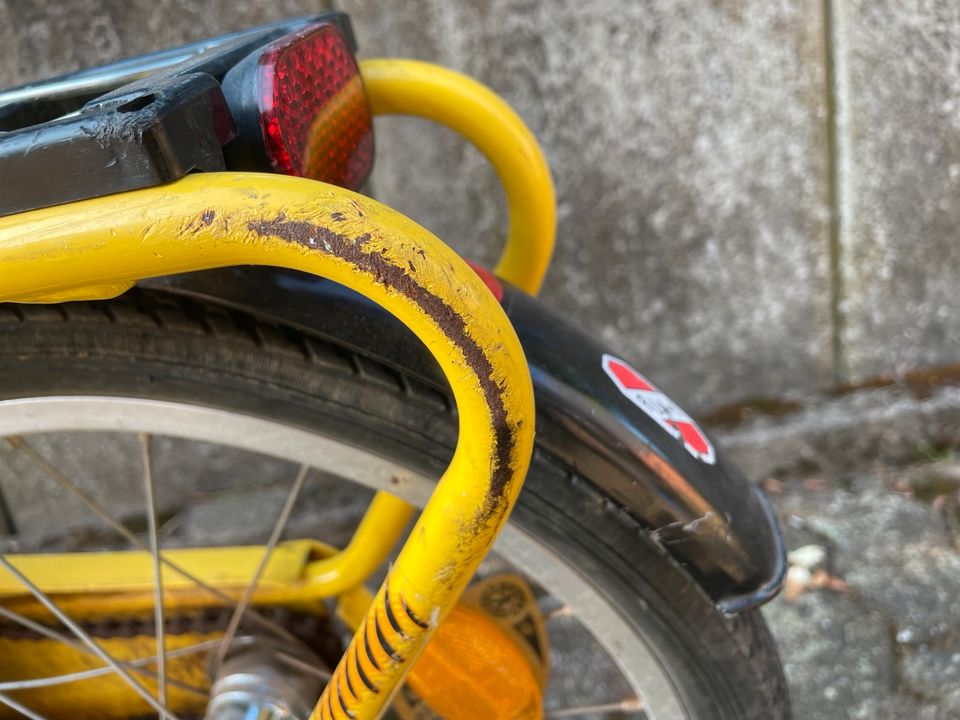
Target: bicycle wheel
point(631, 634)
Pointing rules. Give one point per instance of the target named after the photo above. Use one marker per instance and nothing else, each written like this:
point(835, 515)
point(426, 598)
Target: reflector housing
point(313, 113)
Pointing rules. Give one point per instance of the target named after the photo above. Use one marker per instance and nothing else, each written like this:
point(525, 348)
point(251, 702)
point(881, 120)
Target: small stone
point(808, 556)
point(905, 636)
point(798, 580)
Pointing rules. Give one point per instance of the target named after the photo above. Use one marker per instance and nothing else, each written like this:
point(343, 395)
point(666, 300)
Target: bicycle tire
point(151, 345)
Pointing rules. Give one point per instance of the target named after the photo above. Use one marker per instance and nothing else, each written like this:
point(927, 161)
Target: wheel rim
point(635, 661)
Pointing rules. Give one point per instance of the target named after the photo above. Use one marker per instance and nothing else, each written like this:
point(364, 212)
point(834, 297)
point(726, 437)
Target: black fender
point(691, 500)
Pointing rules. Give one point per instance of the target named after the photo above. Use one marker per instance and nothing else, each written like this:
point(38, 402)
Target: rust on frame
point(321, 239)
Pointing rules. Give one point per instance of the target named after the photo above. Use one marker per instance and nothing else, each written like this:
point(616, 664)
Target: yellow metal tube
point(381, 527)
point(411, 87)
point(216, 220)
point(303, 570)
point(97, 573)
point(300, 572)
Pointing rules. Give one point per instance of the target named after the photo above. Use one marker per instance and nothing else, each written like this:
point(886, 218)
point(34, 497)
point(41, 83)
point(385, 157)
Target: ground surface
point(884, 643)
point(872, 479)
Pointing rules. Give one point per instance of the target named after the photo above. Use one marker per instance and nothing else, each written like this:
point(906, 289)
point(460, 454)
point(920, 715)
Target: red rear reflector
point(313, 109)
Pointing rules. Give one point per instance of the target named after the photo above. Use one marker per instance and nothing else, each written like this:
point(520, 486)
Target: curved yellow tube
point(216, 220)
point(382, 525)
point(411, 87)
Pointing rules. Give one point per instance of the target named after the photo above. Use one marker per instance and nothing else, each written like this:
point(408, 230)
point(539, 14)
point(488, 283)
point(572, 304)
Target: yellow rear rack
point(98, 248)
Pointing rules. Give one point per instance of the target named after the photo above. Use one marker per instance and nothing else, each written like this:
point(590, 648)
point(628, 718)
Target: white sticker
point(645, 395)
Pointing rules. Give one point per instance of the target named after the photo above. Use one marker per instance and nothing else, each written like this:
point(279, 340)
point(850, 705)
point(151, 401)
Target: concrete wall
point(687, 145)
point(900, 244)
point(755, 196)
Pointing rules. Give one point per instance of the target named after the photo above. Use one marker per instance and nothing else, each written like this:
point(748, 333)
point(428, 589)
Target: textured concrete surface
point(836, 435)
point(686, 145)
point(872, 478)
point(886, 644)
point(699, 150)
point(901, 249)
point(39, 38)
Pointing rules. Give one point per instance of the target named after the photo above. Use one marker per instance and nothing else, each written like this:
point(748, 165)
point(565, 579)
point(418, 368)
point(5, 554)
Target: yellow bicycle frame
point(411, 87)
point(394, 87)
point(432, 92)
point(97, 248)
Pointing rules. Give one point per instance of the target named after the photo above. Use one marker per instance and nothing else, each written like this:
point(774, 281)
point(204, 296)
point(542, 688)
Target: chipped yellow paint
point(217, 220)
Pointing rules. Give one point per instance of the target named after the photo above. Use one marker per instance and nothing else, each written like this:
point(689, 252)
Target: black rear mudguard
point(696, 505)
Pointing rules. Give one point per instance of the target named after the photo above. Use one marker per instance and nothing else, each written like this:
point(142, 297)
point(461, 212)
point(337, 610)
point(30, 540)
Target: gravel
point(882, 638)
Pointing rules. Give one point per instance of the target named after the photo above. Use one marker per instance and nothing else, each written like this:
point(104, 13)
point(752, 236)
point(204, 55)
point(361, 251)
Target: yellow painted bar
point(408, 87)
point(381, 527)
point(300, 573)
point(301, 570)
point(412, 87)
point(132, 571)
point(97, 246)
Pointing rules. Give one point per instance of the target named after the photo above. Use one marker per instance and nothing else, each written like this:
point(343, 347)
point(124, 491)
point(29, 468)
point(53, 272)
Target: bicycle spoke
point(14, 705)
point(101, 512)
point(630, 706)
point(241, 610)
point(158, 619)
point(135, 665)
point(42, 629)
point(84, 637)
point(295, 662)
point(278, 528)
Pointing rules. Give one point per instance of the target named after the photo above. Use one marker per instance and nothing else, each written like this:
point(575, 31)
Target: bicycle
point(184, 260)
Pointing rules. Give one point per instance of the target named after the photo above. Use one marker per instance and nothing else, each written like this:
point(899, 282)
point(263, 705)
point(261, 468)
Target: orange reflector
point(473, 670)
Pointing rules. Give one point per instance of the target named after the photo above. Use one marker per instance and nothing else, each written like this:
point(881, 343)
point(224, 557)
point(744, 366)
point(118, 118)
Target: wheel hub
point(261, 678)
